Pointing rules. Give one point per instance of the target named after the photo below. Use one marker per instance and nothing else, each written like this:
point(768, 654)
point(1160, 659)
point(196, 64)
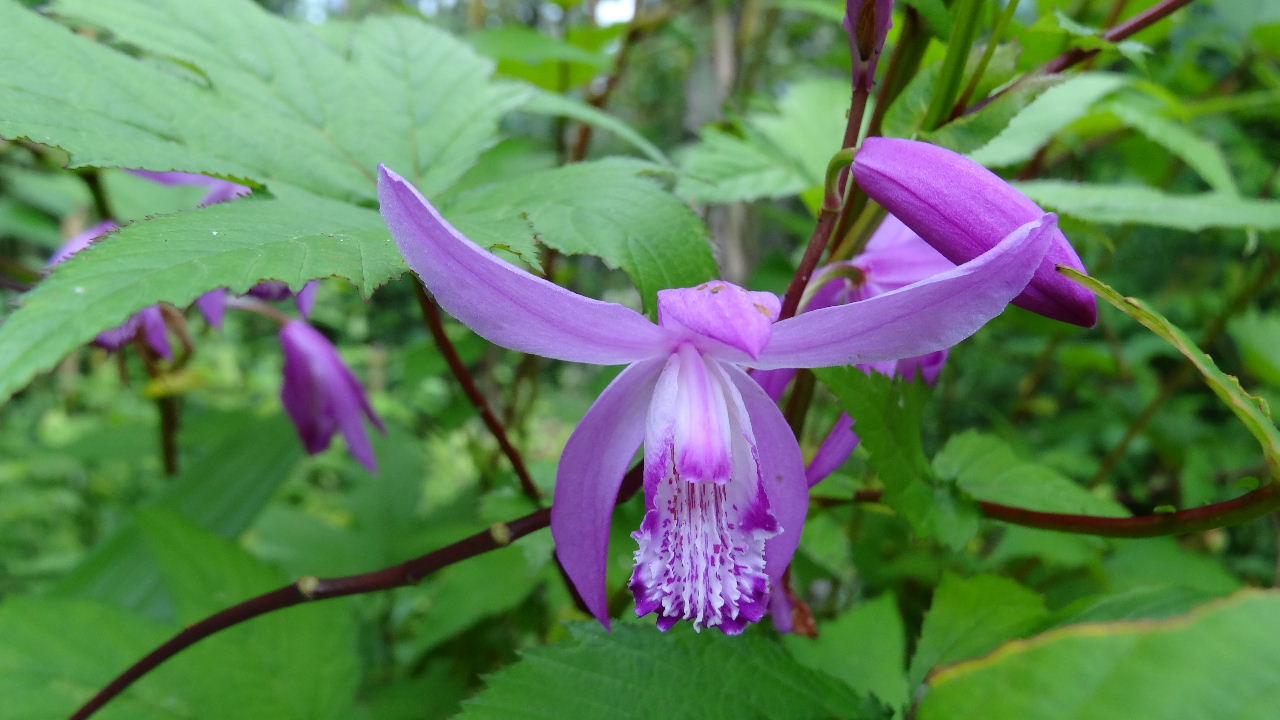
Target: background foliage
point(707, 160)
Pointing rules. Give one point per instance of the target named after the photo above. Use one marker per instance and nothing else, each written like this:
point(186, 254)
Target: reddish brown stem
point(1074, 56)
point(431, 314)
point(310, 589)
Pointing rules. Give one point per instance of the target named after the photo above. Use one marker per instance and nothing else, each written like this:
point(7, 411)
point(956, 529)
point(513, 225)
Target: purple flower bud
point(963, 209)
point(867, 22)
point(322, 396)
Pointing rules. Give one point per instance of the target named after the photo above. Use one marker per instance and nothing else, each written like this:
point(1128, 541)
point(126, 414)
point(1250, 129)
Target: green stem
point(963, 30)
point(1002, 23)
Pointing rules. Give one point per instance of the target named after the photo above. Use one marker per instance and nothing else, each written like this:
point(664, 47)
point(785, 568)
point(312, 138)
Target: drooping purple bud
point(213, 306)
point(868, 23)
point(963, 209)
point(322, 396)
point(306, 298)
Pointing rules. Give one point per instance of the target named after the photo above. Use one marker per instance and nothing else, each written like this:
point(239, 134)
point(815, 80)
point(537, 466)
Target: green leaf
point(970, 132)
point(536, 100)
point(877, 666)
point(543, 60)
point(1220, 661)
point(970, 617)
point(1044, 117)
point(612, 209)
point(773, 154)
point(57, 653)
point(905, 117)
point(637, 672)
point(222, 490)
point(888, 418)
point(272, 101)
point(1122, 204)
point(1199, 154)
point(1251, 410)
point(988, 469)
point(176, 258)
point(1145, 602)
point(296, 664)
point(1257, 336)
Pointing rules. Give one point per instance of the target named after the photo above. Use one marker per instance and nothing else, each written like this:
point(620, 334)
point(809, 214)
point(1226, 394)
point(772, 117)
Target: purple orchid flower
point(894, 258)
point(867, 22)
point(960, 208)
point(725, 491)
point(322, 395)
point(149, 319)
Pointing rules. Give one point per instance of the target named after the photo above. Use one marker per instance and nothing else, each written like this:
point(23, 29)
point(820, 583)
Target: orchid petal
point(156, 331)
point(782, 467)
point(591, 469)
point(306, 298)
point(504, 304)
point(722, 311)
point(81, 241)
point(924, 317)
point(213, 306)
point(835, 450)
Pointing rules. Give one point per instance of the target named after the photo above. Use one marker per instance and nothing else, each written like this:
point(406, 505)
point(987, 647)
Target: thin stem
point(310, 589)
point(258, 307)
point(912, 42)
point(963, 29)
point(1249, 506)
point(1133, 25)
point(1002, 23)
point(431, 314)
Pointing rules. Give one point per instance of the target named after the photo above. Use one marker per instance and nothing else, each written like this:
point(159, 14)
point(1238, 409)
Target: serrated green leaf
point(1123, 204)
point(1045, 116)
point(773, 154)
point(1220, 661)
point(222, 490)
point(970, 132)
point(970, 617)
point(888, 416)
point(905, 117)
point(1199, 154)
point(988, 469)
point(612, 209)
point(294, 238)
point(637, 672)
point(877, 666)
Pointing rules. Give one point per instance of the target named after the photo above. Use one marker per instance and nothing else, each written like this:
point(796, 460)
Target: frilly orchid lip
point(726, 494)
point(961, 209)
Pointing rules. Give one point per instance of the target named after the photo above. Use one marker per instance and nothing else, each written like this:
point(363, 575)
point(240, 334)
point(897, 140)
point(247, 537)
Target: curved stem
point(1132, 26)
point(1250, 506)
point(431, 313)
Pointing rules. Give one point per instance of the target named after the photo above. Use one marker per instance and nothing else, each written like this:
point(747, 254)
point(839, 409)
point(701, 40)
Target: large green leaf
point(1219, 662)
point(638, 672)
point(1122, 204)
point(1199, 154)
point(988, 469)
point(249, 95)
point(607, 208)
point(877, 666)
point(176, 258)
point(888, 415)
point(300, 664)
point(971, 616)
point(222, 490)
point(296, 664)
